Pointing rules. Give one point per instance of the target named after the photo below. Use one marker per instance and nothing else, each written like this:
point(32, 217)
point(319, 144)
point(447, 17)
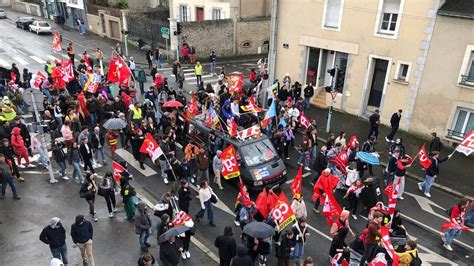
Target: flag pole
point(133, 78)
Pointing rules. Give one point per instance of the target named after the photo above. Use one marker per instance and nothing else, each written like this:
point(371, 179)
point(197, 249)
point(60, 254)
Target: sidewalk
point(456, 175)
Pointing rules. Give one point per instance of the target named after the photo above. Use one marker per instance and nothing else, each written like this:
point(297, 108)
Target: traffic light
point(339, 83)
point(179, 28)
point(332, 72)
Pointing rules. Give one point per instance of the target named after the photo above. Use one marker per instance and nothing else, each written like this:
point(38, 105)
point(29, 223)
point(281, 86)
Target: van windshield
point(258, 152)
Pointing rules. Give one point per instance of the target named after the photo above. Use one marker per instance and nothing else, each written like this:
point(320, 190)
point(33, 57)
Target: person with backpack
point(410, 256)
point(107, 190)
point(456, 214)
point(432, 172)
point(142, 226)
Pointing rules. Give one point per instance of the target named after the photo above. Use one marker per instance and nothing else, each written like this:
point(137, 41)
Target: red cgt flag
point(40, 77)
point(118, 70)
point(388, 190)
point(297, 182)
point(234, 82)
point(180, 218)
point(387, 244)
point(423, 158)
point(118, 170)
point(331, 208)
point(151, 147)
point(304, 121)
point(467, 144)
point(450, 225)
point(230, 167)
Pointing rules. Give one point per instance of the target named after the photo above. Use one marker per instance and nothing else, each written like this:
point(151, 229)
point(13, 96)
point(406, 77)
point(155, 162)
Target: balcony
point(456, 135)
point(467, 80)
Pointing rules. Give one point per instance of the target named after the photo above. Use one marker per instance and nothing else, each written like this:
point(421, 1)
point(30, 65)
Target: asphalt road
point(22, 220)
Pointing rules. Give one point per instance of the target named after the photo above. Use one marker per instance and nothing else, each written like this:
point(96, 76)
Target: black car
point(24, 22)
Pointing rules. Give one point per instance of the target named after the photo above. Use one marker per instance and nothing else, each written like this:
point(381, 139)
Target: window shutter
point(333, 9)
point(189, 15)
point(177, 14)
point(209, 13)
point(391, 6)
point(223, 14)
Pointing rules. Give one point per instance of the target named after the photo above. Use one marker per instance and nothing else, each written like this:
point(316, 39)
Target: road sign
point(166, 36)
point(165, 31)
point(38, 97)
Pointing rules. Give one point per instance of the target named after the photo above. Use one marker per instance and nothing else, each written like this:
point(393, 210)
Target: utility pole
point(272, 49)
point(333, 90)
point(125, 31)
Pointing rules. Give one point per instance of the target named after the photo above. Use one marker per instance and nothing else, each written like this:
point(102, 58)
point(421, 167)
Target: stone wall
point(28, 8)
point(252, 34)
point(218, 35)
point(5, 3)
point(209, 35)
point(147, 26)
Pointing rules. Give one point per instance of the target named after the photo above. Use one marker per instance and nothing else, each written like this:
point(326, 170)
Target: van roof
point(198, 121)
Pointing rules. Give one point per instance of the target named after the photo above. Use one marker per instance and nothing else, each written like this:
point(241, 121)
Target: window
point(402, 72)
point(183, 13)
point(463, 123)
point(467, 76)
point(216, 14)
point(199, 13)
point(389, 20)
point(333, 14)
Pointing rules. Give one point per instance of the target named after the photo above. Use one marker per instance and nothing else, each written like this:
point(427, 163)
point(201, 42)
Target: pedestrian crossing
point(26, 61)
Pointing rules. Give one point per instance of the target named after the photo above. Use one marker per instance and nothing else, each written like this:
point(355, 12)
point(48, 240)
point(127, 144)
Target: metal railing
point(467, 80)
point(455, 134)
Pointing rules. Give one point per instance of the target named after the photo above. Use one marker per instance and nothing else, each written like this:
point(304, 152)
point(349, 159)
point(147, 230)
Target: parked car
point(24, 22)
point(40, 27)
point(3, 13)
point(259, 164)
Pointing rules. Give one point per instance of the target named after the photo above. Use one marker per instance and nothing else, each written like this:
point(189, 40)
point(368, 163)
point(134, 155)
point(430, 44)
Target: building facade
point(199, 10)
point(378, 46)
point(445, 101)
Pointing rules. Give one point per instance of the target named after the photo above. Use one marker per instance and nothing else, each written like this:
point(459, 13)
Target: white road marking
point(128, 157)
point(306, 174)
point(20, 52)
point(52, 58)
point(289, 181)
point(165, 69)
point(188, 69)
point(219, 203)
point(4, 63)
point(37, 59)
point(21, 61)
point(248, 64)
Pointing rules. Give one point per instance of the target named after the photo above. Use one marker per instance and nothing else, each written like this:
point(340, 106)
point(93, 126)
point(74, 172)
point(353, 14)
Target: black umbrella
point(115, 123)
point(259, 230)
point(172, 232)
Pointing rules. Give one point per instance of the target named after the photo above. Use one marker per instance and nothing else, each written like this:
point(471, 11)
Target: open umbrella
point(172, 232)
point(369, 157)
point(173, 104)
point(259, 229)
point(115, 123)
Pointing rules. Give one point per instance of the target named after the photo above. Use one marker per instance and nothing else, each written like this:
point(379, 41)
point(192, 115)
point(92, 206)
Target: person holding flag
point(325, 184)
point(453, 227)
point(432, 172)
point(372, 238)
point(402, 165)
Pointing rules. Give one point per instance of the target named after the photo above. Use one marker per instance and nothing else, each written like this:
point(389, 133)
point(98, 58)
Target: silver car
point(3, 13)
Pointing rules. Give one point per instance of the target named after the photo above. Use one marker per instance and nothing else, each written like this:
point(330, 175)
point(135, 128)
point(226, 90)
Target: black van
point(259, 164)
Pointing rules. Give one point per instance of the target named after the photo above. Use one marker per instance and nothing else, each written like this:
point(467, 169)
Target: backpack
point(416, 261)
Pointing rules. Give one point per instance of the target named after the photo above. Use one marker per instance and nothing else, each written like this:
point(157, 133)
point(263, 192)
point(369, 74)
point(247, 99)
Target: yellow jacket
point(405, 258)
point(198, 70)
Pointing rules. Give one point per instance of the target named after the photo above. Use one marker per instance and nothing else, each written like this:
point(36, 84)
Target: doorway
point(199, 13)
point(378, 83)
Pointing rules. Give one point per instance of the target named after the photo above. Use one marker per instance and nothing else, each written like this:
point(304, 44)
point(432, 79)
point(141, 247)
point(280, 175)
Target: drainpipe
point(272, 48)
point(125, 31)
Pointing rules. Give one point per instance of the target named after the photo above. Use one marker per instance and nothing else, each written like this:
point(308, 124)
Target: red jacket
point(17, 139)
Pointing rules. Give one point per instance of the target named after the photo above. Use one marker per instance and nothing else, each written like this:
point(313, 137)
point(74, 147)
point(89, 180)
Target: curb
point(421, 179)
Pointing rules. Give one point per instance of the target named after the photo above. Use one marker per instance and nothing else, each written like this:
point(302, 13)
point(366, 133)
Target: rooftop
point(457, 8)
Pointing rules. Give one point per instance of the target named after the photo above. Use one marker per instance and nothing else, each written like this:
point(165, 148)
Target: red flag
point(423, 158)
point(151, 147)
point(57, 45)
point(12, 76)
point(297, 182)
point(232, 127)
point(331, 208)
point(118, 170)
point(234, 82)
point(388, 190)
point(252, 107)
point(230, 167)
point(450, 225)
point(40, 77)
point(384, 232)
point(353, 142)
point(87, 62)
point(244, 196)
point(67, 72)
point(304, 121)
point(467, 144)
point(192, 107)
point(281, 212)
point(118, 70)
point(262, 203)
point(180, 218)
point(341, 161)
point(81, 98)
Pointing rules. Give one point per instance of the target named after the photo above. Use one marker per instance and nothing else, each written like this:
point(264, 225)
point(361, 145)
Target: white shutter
point(333, 11)
point(177, 14)
point(391, 6)
point(189, 15)
point(209, 13)
point(223, 14)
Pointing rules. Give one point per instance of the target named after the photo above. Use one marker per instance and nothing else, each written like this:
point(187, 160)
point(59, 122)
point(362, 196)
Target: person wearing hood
point(242, 258)
point(170, 250)
point(36, 148)
point(227, 246)
point(19, 147)
point(141, 78)
point(298, 206)
point(82, 233)
point(184, 196)
point(54, 235)
point(142, 225)
point(8, 109)
point(128, 193)
point(217, 167)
